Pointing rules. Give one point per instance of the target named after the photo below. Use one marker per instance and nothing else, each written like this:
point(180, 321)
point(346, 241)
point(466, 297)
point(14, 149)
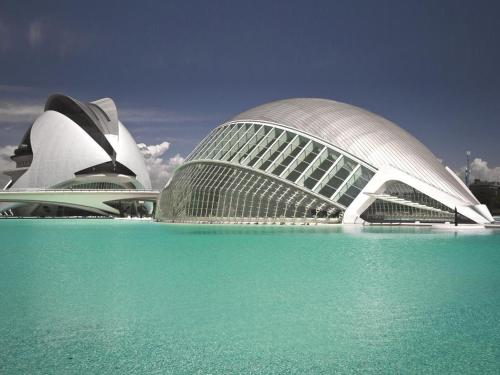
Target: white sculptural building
point(313, 159)
point(76, 145)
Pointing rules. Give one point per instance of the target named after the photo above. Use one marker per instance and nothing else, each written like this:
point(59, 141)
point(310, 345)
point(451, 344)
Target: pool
point(109, 296)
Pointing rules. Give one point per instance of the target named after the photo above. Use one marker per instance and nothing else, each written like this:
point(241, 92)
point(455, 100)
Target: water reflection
point(353, 230)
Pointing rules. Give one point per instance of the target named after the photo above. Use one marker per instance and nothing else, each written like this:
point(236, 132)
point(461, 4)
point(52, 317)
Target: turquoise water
point(104, 296)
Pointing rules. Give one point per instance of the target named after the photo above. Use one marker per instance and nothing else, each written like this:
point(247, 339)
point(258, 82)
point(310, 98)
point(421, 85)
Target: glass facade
point(402, 203)
point(222, 193)
point(333, 157)
point(261, 172)
point(240, 163)
point(101, 185)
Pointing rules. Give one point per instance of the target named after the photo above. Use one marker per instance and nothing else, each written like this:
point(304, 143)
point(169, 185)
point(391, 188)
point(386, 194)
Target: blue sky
point(176, 69)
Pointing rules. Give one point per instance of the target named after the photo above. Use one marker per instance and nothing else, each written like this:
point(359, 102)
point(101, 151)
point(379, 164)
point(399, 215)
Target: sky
point(177, 69)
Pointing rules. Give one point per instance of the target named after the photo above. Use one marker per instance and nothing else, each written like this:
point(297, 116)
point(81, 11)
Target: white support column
point(190, 177)
point(236, 179)
point(354, 174)
point(243, 189)
point(254, 194)
point(298, 158)
point(234, 191)
point(222, 179)
point(306, 208)
point(200, 187)
point(318, 209)
point(322, 155)
point(290, 200)
point(211, 193)
point(210, 181)
point(279, 200)
point(178, 204)
point(297, 204)
point(229, 181)
point(284, 153)
point(330, 212)
point(188, 182)
point(198, 181)
point(246, 195)
point(292, 197)
point(337, 164)
point(263, 195)
point(269, 200)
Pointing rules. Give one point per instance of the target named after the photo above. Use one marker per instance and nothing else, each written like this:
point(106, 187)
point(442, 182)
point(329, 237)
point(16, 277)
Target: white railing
point(38, 190)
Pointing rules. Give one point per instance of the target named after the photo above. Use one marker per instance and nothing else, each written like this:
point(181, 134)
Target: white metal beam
point(254, 139)
point(235, 146)
point(261, 142)
point(315, 163)
point(294, 142)
point(204, 143)
point(228, 133)
point(278, 141)
point(337, 164)
point(214, 141)
point(297, 159)
point(240, 128)
point(340, 191)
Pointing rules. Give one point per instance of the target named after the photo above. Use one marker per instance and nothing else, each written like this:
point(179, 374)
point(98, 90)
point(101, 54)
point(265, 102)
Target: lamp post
point(467, 169)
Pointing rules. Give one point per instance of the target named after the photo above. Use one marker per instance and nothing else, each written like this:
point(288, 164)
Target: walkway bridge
point(93, 200)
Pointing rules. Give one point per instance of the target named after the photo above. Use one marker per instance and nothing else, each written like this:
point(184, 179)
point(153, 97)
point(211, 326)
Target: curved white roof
point(71, 136)
point(369, 137)
point(56, 158)
point(129, 155)
point(102, 112)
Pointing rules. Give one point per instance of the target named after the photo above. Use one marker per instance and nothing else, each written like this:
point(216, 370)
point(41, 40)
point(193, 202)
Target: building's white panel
point(129, 155)
point(372, 149)
point(60, 148)
point(389, 173)
point(363, 134)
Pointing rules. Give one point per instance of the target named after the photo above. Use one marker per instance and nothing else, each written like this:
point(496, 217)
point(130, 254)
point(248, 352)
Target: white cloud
point(12, 112)
point(35, 34)
point(160, 170)
point(153, 151)
point(480, 169)
point(6, 163)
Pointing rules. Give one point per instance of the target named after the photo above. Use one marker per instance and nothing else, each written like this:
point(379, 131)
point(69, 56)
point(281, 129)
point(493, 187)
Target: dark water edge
point(105, 296)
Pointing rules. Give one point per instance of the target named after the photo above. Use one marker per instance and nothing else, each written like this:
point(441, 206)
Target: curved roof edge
point(91, 117)
point(359, 132)
point(102, 112)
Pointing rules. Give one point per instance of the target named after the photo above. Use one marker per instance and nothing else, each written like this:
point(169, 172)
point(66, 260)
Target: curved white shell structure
point(80, 146)
point(315, 159)
point(56, 158)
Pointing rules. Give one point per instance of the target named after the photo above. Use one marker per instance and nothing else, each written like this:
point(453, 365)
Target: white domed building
point(76, 145)
point(301, 160)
